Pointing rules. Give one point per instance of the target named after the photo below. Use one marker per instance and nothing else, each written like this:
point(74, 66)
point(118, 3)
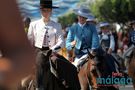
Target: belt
point(44, 48)
point(85, 50)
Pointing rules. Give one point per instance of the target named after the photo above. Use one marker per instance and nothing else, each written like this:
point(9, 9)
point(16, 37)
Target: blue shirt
point(86, 34)
point(132, 37)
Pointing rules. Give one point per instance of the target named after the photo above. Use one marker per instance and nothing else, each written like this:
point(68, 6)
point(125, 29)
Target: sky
point(30, 8)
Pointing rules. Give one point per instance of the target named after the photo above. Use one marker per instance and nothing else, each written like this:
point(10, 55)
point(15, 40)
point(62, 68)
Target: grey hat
point(103, 24)
point(90, 18)
point(84, 12)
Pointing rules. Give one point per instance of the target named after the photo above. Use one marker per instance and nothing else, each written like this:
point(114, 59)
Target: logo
point(114, 79)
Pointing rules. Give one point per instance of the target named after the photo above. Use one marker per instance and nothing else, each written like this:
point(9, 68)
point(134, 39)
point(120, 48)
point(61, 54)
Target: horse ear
point(49, 52)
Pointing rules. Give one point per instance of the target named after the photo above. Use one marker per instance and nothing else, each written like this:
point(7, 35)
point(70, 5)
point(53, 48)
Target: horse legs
point(92, 78)
point(83, 80)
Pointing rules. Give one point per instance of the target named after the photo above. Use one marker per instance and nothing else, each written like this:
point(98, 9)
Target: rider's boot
point(126, 64)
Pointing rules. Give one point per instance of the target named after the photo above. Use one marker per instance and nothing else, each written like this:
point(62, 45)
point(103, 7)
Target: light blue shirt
point(77, 32)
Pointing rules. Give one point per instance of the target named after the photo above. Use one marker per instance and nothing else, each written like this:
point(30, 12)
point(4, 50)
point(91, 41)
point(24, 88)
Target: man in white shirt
point(44, 34)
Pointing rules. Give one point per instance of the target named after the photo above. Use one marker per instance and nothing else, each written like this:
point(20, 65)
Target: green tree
point(67, 19)
point(119, 11)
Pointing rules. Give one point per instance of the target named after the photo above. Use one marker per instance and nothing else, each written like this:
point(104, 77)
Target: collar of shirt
point(44, 23)
point(81, 25)
point(105, 33)
point(105, 36)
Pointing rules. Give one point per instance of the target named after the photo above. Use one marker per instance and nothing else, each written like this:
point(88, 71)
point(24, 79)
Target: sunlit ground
point(127, 87)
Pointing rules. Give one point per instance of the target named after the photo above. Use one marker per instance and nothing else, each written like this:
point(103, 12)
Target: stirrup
point(78, 68)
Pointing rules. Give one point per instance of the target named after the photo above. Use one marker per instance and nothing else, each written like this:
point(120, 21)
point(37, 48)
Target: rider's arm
point(69, 44)
point(59, 38)
point(112, 43)
point(70, 39)
point(95, 38)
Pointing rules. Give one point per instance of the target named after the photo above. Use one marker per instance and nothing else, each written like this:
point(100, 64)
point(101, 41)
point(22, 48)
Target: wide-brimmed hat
point(103, 24)
point(46, 4)
point(84, 12)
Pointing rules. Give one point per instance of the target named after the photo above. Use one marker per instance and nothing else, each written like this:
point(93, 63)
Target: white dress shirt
point(49, 35)
point(81, 25)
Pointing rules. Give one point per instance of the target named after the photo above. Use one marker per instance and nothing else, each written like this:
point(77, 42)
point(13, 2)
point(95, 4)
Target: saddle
point(84, 59)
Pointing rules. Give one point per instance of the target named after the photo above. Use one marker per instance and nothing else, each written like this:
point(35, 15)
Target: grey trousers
point(128, 52)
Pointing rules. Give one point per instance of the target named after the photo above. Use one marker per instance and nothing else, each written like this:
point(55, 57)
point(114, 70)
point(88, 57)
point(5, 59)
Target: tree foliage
point(67, 19)
point(119, 11)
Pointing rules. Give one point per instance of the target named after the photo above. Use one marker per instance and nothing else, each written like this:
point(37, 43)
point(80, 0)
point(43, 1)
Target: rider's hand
point(93, 52)
point(71, 59)
point(70, 55)
point(73, 43)
point(53, 57)
point(109, 51)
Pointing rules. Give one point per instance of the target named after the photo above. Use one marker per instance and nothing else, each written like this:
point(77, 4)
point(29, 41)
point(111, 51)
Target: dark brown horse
point(64, 77)
point(87, 76)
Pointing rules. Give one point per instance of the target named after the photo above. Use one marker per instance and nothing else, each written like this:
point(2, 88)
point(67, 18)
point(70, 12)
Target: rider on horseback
point(127, 54)
point(82, 36)
point(107, 43)
point(44, 34)
point(106, 38)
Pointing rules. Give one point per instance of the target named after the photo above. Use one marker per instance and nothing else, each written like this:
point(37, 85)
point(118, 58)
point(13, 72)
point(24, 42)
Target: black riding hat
point(46, 4)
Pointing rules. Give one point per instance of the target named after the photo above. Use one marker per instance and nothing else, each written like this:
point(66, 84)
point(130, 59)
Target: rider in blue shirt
point(128, 52)
point(132, 34)
point(82, 36)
